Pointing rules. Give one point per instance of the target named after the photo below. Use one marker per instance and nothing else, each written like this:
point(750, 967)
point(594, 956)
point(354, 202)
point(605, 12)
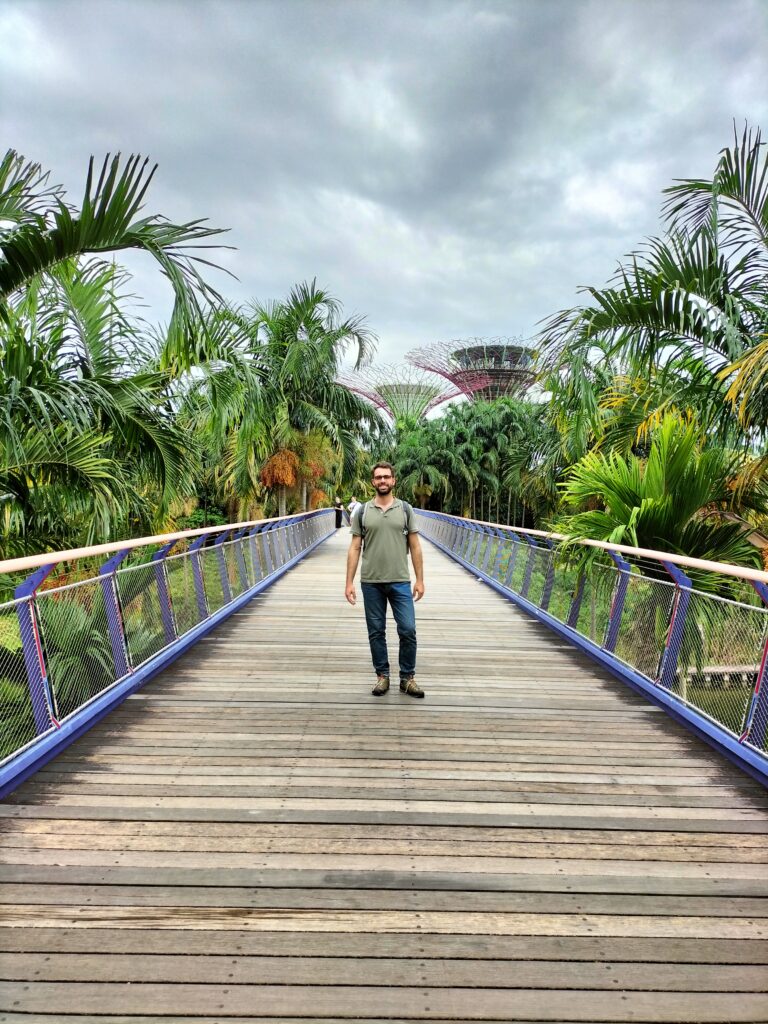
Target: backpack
point(362, 509)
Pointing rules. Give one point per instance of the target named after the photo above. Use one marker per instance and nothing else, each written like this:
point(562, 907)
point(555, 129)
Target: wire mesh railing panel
point(518, 559)
point(645, 623)
point(500, 545)
point(757, 735)
point(210, 563)
point(564, 592)
point(251, 560)
point(265, 554)
point(541, 562)
point(145, 631)
point(76, 642)
point(269, 551)
point(279, 547)
point(17, 718)
point(232, 551)
point(596, 599)
point(485, 552)
point(719, 658)
point(184, 598)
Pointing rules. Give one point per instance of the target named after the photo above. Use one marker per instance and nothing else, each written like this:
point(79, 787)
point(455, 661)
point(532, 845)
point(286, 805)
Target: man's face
point(383, 481)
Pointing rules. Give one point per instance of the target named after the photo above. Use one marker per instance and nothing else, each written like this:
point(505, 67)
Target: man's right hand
point(350, 593)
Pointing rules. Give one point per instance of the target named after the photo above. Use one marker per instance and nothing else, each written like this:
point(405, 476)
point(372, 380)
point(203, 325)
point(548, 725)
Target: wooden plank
point(414, 862)
point(382, 878)
point(415, 1003)
point(438, 922)
point(491, 947)
point(459, 838)
point(385, 848)
point(358, 971)
point(63, 893)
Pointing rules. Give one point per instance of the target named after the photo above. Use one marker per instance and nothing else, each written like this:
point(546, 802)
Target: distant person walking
point(352, 507)
point(339, 510)
point(385, 530)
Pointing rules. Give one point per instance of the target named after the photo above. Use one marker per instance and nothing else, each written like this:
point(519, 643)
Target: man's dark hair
point(383, 465)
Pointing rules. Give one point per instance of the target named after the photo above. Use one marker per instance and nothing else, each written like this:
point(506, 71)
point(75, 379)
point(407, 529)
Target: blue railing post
point(756, 718)
point(577, 598)
point(668, 664)
point(617, 603)
point(221, 558)
point(114, 615)
point(549, 580)
point(166, 606)
point(197, 575)
point(534, 547)
point(41, 697)
point(516, 542)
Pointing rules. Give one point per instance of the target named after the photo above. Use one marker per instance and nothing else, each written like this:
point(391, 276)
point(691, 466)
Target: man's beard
point(384, 488)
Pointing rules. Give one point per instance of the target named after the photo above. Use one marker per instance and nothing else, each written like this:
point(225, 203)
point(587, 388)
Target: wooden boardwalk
point(255, 836)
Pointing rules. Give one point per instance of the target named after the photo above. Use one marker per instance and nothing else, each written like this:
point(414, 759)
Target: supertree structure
point(405, 393)
point(504, 365)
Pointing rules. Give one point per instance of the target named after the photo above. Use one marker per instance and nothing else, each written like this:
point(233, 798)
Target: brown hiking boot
point(381, 687)
point(411, 687)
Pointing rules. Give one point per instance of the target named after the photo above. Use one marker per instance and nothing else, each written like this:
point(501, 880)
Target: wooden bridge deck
point(254, 836)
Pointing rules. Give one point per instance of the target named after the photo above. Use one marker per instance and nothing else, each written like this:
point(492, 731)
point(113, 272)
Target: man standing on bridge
point(386, 531)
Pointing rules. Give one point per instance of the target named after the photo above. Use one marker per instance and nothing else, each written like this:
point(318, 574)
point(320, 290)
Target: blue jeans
point(399, 596)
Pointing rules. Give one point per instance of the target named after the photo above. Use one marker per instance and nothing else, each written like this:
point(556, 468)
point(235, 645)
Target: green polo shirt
point(385, 542)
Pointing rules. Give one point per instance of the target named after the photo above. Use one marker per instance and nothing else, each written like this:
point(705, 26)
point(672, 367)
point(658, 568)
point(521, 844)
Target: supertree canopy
point(505, 365)
point(405, 393)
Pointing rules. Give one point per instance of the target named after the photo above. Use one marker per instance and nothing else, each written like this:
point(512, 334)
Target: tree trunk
point(304, 496)
point(281, 499)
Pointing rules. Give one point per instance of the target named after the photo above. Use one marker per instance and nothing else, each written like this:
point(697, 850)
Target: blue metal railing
point(701, 653)
point(81, 635)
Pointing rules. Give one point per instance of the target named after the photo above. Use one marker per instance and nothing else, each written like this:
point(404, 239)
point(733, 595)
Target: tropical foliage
point(679, 498)
point(109, 427)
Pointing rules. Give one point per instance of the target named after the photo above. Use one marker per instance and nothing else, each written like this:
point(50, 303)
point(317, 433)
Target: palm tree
point(694, 299)
point(681, 499)
point(38, 231)
point(88, 442)
point(425, 464)
point(270, 384)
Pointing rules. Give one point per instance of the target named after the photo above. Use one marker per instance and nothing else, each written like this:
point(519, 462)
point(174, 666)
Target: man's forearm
point(418, 561)
point(353, 557)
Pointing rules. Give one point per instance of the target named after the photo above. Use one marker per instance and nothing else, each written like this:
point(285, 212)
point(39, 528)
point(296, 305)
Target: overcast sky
point(450, 169)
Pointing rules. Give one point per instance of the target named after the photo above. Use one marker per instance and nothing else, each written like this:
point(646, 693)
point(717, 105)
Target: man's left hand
point(418, 591)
